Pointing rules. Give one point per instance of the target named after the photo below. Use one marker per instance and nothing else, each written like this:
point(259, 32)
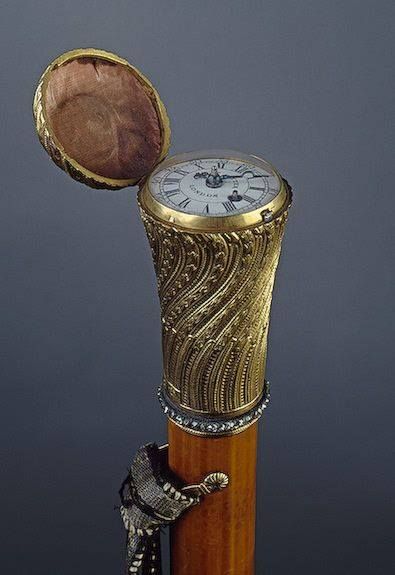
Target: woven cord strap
point(151, 498)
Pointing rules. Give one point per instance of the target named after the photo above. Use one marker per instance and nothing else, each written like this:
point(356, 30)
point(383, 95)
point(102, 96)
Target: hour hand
point(213, 179)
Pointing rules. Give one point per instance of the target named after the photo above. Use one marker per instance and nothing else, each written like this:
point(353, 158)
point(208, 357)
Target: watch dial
point(215, 186)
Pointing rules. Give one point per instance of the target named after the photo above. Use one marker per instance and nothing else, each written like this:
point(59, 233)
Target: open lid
point(100, 119)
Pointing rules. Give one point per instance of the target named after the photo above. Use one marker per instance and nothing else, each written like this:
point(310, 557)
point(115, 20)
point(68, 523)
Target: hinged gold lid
point(100, 119)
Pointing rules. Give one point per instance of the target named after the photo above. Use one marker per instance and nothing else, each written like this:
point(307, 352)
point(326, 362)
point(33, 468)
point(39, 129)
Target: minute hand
point(243, 175)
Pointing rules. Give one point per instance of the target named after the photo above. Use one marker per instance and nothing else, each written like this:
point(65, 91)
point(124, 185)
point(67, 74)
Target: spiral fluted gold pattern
point(215, 292)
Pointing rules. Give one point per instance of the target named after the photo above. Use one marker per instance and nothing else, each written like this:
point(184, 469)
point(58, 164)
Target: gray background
point(306, 84)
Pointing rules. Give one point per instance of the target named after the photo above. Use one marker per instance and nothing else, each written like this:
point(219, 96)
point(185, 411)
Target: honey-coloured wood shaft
point(216, 537)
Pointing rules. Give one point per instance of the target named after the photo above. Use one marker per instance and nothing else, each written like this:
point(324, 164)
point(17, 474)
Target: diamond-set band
point(219, 426)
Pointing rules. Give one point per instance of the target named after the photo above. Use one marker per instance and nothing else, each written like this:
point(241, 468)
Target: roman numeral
point(241, 168)
point(221, 165)
point(172, 180)
point(206, 209)
point(229, 206)
point(170, 193)
point(249, 199)
point(184, 203)
point(181, 172)
point(256, 188)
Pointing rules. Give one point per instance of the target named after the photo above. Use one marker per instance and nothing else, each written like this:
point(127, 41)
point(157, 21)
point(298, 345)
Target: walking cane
point(215, 222)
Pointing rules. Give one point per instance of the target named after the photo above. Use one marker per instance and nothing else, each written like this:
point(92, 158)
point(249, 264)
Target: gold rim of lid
point(54, 147)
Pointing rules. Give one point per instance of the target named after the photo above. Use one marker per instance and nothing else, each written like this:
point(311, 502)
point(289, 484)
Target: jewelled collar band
point(201, 425)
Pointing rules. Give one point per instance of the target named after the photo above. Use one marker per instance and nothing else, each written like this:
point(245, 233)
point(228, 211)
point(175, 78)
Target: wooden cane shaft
point(218, 536)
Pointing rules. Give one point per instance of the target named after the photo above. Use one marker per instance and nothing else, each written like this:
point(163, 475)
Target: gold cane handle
point(215, 292)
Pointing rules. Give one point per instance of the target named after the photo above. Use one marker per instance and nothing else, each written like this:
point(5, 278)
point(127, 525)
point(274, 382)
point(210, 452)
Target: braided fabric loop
point(152, 497)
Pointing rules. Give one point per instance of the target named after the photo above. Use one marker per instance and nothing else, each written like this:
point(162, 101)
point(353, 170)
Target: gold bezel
point(263, 215)
point(55, 148)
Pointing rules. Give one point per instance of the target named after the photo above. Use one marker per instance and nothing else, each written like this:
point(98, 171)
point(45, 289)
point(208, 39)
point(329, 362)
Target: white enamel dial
point(215, 186)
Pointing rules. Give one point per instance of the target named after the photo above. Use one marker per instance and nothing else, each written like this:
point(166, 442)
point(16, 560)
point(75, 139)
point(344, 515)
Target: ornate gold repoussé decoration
point(215, 292)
